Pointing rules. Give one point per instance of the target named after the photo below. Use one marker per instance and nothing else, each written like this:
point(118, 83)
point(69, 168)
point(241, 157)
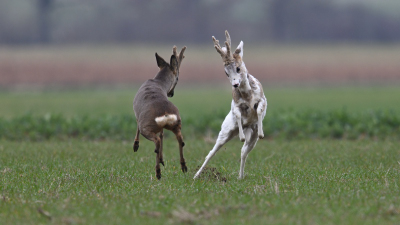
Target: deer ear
point(239, 49)
point(174, 64)
point(160, 62)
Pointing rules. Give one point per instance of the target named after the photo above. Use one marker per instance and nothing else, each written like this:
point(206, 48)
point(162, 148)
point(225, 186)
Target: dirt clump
point(211, 173)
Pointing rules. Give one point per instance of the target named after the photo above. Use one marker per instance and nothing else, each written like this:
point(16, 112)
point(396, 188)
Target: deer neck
point(166, 80)
point(244, 87)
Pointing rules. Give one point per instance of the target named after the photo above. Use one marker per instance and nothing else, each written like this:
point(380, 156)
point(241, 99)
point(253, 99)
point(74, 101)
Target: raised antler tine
point(220, 51)
point(228, 39)
point(181, 56)
point(216, 42)
point(217, 47)
point(228, 49)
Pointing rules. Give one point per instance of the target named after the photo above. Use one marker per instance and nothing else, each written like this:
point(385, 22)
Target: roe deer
point(154, 112)
point(248, 106)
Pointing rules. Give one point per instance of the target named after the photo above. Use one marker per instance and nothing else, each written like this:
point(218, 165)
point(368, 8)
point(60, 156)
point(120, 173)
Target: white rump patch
point(166, 120)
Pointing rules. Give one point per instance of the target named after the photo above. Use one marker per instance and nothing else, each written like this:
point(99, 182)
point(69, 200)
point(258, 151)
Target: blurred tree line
point(81, 21)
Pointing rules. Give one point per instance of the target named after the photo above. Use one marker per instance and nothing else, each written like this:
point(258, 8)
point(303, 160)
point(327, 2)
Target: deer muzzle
point(171, 93)
point(236, 83)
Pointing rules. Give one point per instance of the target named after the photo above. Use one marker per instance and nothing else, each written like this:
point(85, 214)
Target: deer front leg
point(260, 129)
point(136, 143)
point(157, 142)
point(261, 108)
point(238, 117)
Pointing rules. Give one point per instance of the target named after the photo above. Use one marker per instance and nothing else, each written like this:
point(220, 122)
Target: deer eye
point(237, 69)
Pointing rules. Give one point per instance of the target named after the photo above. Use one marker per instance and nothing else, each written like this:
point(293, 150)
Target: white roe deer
point(248, 106)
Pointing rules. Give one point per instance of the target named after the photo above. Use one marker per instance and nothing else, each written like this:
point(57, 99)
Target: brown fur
point(237, 95)
point(254, 84)
point(151, 101)
point(237, 58)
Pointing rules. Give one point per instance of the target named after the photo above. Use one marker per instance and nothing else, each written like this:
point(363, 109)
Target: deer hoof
point(136, 146)
point(197, 175)
point(158, 173)
point(184, 168)
point(242, 137)
point(261, 136)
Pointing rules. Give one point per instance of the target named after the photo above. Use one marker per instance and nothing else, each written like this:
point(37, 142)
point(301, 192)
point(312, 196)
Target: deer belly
point(249, 120)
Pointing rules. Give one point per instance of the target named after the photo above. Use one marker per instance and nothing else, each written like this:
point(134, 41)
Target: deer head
point(235, 68)
point(170, 72)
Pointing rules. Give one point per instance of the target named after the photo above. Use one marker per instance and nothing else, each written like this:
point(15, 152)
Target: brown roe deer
point(154, 111)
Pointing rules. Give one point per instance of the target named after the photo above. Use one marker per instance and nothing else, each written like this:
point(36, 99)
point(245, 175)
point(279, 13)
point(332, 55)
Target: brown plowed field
point(90, 66)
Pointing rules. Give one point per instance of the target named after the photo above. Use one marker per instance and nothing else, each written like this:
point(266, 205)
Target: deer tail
point(167, 119)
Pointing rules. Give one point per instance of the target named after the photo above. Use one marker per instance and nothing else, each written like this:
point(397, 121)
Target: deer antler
point(225, 52)
point(180, 56)
point(228, 44)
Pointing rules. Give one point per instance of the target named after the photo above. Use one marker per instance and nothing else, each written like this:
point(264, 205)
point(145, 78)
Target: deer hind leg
point(228, 131)
point(179, 137)
point(249, 144)
point(157, 141)
point(160, 153)
point(136, 143)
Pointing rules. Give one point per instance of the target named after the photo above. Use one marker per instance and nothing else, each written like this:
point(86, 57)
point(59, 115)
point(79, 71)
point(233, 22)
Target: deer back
point(152, 108)
point(150, 103)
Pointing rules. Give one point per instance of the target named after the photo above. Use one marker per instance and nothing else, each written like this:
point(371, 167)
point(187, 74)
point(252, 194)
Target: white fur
point(167, 119)
point(240, 46)
point(248, 127)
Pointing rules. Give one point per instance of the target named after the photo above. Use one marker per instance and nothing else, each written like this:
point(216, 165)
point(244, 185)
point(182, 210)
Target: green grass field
point(299, 182)
point(304, 181)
